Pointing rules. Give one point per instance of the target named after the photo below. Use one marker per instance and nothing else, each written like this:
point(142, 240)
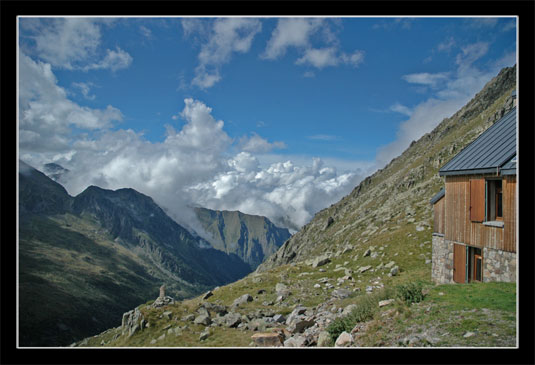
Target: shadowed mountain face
point(251, 237)
point(85, 260)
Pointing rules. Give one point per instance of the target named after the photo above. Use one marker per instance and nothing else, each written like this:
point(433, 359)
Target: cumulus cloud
point(193, 166)
point(225, 37)
point(257, 144)
point(85, 88)
point(72, 43)
point(452, 91)
point(298, 33)
point(400, 108)
point(46, 115)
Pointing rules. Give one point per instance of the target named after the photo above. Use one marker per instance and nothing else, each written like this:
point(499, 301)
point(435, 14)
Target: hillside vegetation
point(362, 265)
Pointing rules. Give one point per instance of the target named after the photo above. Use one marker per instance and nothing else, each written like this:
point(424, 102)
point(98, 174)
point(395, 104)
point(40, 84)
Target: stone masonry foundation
point(442, 260)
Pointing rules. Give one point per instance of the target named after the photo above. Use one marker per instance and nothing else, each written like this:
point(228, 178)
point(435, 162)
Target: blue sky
point(272, 116)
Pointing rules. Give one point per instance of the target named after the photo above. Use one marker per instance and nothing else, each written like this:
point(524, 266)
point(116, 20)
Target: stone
point(153, 341)
point(232, 319)
point(242, 300)
point(279, 318)
point(344, 340)
point(330, 221)
point(261, 291)
point(161, 337)
point(317, 286)
point(280, 287)
point(390, 264)
point(207, 295)
point(364, 268)
point(383, 303)
point(394, 271)
point(296, 341)
point(204, 335)
point(468, 334)
point(347, 310)
point(162, 291)
point(324, 339)
point(300, 325)
point(203, 319)
point(320, 261)
point(167, 314)
point(367, 253)
point(189, 318)
point(267, 339)
point(341, 293)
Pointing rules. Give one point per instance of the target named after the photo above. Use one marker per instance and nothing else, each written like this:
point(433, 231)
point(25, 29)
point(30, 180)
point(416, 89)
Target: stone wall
point(499, 265)
point(442, 260)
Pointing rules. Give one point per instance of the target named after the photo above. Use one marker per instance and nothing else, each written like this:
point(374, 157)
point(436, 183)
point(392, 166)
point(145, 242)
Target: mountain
point(85, 260)
point(251, 237)
point(55, 172)
point(362, 265)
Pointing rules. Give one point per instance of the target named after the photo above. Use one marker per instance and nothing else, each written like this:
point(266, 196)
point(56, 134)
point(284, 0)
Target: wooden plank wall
point(439, 209)
point(459, 228)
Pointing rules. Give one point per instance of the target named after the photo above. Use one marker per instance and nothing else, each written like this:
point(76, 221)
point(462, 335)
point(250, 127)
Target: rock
point(317, 286)
point(345, 339)
point(167, 314)
point(324, 339)
point(419, 228)
point(300, 325)
point(468, 334)
point(204, 335)
point(349, 309)
point(369, 289)
point(394, 271)
point(364, 268)
point(279, 318)
point(161, 337)
point(242, 300)
point(330, 221)
point(153, 341)
point(207, 295)
point(131, 322)
point(296, 341)
point(203, 319)
point(261, 291)
point(280, 287)
point(320, 261)
point(232, 319)
point(374, 255)
point(162, 291)
point(189, 318)
point(267, 339)
point(341, 293)
point(382, 303)
point(367, 253)
point(295, 314)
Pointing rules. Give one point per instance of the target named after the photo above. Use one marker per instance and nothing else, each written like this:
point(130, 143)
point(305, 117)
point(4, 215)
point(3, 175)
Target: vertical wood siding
point(459, 263)
point(439, 215)
point(458, 226)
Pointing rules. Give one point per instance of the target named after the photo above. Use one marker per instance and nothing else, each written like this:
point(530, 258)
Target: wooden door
point(459, 263)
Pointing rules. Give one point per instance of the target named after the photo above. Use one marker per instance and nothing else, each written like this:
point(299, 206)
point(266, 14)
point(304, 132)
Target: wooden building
point(475, 215)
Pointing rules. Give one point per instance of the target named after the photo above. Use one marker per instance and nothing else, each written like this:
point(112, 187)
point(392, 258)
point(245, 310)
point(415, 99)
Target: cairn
point(162, 299)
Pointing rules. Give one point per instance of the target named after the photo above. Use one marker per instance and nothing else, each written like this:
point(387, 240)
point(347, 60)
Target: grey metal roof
point(438, 196)
point(509, 168)
point(491, 150)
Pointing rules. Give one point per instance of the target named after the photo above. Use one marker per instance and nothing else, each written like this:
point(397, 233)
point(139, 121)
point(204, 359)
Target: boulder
point(324, 339)
point(320, 261)
point(232, 319)
point(204, 335)
point(382, 303)
point(300, 325)
point(296, 341)
point(364, 268)
point(242, 300)
point(131, 321)
point(203, 319)
point(279, 318)
point(347, 310)
point(341, 293)
point(267, 339)
point(394, 271)
point(167, 314)
point(344, 340)
point(207, 295)
point(280, 288)
point(367, 253)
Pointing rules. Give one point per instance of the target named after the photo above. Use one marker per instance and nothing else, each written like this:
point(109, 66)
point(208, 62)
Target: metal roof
point(438, 196)
point(491, 150)
point(509, 168)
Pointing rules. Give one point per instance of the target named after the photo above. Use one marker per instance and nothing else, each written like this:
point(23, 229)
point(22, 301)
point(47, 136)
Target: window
point(494, 207)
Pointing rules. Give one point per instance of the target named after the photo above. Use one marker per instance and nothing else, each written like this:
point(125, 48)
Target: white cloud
point(425, 78)
point(291, 32)
point(446, 45)
point(84, 88)
point(114, 60)
point(47, 115)
point(452, 91)
point(257, 144)
point(298, 32)
point(72, 43)
point(225, 37)
point(399, 108)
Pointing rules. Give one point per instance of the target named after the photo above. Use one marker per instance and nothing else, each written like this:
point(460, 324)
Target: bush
point(410, 292)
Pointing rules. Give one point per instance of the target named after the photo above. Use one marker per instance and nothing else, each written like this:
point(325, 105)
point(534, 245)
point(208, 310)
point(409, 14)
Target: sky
point(279, 117)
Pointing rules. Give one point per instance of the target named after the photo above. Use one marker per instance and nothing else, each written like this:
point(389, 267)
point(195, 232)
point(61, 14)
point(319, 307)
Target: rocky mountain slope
point(358, 274)
point(251, 237)
point(84, 260)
